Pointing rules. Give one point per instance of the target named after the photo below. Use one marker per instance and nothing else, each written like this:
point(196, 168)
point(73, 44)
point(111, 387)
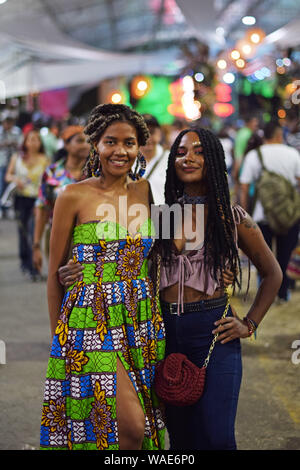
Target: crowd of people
point(119, 303)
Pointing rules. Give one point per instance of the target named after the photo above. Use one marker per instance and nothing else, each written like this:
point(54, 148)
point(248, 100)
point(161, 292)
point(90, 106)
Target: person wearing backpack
point(275, 168)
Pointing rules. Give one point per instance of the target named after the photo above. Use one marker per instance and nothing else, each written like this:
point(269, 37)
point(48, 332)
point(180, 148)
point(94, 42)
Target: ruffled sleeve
point(239, 214)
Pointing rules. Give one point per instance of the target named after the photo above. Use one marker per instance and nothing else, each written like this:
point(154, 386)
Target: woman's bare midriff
point(170, 294)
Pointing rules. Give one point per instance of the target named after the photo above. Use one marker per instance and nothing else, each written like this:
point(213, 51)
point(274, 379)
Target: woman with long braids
point(107, 330)
point(193, 292)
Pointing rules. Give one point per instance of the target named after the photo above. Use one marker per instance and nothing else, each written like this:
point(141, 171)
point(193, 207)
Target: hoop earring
point(141, 161)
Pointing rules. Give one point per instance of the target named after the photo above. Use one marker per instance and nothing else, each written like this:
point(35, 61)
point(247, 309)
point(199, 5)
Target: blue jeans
point(208, 424)
point(24, 208)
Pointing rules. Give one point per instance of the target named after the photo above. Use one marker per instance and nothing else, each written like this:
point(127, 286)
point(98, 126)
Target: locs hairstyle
point(219, 244)
point(103, 116)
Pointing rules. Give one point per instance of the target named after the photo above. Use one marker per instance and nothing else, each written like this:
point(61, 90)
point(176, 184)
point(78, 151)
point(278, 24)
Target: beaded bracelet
point(252, 326)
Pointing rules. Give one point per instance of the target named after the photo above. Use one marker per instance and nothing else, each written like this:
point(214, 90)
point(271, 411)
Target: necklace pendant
point(194, 199)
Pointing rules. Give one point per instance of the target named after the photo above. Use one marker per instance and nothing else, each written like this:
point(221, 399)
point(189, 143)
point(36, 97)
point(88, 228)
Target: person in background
point(25, 170)
point(241, 141)
point(10, 139)
point(56, 176)
point(51, 139)
point(227, 145)
point(292, 132)
point(156, 157)
point(283, 160)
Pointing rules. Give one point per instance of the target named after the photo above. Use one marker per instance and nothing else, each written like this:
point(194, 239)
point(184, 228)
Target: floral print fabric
point(109, 313)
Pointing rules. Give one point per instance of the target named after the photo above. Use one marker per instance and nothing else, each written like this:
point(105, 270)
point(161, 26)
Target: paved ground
point(269, 407)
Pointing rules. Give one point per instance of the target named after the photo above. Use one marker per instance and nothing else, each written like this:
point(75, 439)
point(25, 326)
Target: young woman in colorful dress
point(107, 331)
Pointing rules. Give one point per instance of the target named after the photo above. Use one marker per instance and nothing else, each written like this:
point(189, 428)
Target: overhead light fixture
point(249, 20)
point(2, 1)
point(281, 113)
point(228, 78)
point(199, 77)
point(247, 49)
point(222, 64)
point(116, 98)
point(286, 61)
point(255, 38)
point(240, 63)
point(220, 31)
point(142, 85)
point(235, 55)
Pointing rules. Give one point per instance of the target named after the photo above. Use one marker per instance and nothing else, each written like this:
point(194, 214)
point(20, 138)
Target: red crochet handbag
point(177, 380)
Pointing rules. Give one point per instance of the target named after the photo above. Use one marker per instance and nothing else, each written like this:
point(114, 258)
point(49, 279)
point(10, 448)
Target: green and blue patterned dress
point(111, 313)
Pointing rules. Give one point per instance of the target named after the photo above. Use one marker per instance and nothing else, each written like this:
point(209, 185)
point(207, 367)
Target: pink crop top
point(188, 269)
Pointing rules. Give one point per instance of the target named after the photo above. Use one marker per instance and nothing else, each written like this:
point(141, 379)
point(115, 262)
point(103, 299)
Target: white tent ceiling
point(41, 42)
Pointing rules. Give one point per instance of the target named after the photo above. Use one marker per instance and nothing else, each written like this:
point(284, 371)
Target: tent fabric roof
point(51, 44)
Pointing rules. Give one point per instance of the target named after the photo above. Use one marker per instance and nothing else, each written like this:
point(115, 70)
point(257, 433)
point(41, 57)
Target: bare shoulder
point(81, 187)
point(142, 184)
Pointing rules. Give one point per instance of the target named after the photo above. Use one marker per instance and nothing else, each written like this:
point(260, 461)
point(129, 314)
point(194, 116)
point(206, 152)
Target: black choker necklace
point(194, 199)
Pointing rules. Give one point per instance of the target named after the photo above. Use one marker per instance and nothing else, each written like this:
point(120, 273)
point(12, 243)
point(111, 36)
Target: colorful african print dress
point(111, 313)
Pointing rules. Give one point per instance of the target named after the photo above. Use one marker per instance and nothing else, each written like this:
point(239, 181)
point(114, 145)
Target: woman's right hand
point(37, 258)
point(70, 273)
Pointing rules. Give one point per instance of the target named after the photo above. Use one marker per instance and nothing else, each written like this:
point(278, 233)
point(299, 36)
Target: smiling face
point(118, 148)
point(189, 159)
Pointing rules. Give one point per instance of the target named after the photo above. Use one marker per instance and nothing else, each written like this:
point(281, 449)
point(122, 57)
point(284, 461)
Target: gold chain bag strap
point(178, 381)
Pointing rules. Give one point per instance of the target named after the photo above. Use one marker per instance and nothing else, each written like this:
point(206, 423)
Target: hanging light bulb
point(235, 55)
point(240, 63)
point(249, 20)
point(222, 64)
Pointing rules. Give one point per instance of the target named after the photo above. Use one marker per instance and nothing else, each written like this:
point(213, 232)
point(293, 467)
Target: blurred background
point(178, 60)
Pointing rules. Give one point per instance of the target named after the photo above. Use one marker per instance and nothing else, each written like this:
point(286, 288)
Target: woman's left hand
point(230, 328)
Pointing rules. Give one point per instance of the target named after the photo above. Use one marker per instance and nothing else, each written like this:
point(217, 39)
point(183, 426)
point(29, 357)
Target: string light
point(280, 70)
point(240, 63)
point(255, 38)
point(247, 49)
point(228, 77)
point(222, 64)
point(199, 77)
point(249, 20)
point(281, 113)
point(140, 86)
point(235, 55)
point(116, 98)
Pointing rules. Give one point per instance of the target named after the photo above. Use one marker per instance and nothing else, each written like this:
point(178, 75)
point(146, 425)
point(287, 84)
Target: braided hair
point(103, 116)
point(219, 244)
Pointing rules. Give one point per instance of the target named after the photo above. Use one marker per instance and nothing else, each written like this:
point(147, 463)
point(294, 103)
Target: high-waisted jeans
point(208, 424)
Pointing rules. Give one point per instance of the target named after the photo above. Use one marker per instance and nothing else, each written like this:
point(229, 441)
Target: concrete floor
point(269, 407)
